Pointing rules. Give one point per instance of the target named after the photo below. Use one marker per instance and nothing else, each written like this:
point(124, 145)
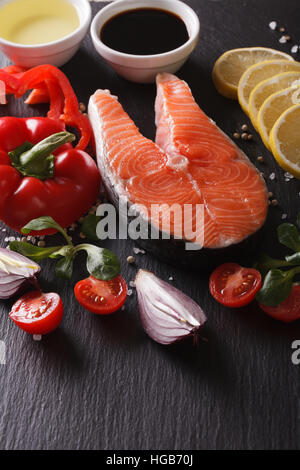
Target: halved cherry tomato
point(38, 313)
point(234, 286)
point(101, 297)
point(287, 311)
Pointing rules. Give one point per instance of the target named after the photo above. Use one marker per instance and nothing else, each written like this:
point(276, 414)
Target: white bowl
point(144, 68)
point(55, 52)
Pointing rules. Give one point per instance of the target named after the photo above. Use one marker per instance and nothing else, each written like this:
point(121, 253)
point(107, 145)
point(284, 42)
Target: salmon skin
point(192, 162)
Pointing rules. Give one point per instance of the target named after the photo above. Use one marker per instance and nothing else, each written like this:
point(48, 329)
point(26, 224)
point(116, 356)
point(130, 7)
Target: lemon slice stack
point(267, 84)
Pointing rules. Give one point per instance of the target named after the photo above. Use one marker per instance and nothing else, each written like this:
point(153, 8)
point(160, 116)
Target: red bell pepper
point(42, 174)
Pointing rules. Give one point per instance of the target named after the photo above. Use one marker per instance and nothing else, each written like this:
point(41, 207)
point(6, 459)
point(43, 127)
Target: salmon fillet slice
point(233, 192)
point(191, 163)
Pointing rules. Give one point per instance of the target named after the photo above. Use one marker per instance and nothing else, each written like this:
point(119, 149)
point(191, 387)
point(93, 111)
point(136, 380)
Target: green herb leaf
point(89, 226)
point(64, 267)
point(33, 252)
point(276, 287)
point(289, 236)
point(101, 263)
point(43, 223)
point(265, 263)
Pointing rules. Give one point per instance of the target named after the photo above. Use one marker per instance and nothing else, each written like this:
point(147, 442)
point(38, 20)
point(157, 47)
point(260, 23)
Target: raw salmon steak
point(192, 162)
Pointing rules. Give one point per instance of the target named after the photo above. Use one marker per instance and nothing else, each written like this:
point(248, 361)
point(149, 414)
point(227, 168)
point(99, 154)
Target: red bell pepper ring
point(71, 115)
point(38, 95)
point(44, 178)
point(12, 82)
point(46, 74)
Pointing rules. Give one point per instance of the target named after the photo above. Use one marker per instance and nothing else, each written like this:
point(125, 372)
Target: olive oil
point(144, 31)
point(31, 22)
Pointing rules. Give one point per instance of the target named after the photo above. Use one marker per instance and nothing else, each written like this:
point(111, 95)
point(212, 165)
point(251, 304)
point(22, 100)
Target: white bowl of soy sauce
point(142, 38)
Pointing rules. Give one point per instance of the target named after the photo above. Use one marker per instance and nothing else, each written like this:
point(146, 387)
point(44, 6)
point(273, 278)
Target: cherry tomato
point(101, 297)
point(289, 310)
point(38, 313)
point(234, 286)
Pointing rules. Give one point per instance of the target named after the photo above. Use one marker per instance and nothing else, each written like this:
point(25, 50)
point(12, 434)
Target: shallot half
point(167, 314)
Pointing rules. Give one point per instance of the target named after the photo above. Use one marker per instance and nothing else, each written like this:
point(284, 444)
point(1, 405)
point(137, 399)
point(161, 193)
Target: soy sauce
point(144, 31)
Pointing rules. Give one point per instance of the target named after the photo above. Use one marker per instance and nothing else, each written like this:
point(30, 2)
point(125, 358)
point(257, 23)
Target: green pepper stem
point(44, 148)
point(38, 161)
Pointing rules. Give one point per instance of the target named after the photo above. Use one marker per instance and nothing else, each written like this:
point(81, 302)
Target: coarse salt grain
point(295, 49)
point(272, 176)
point(132, 284)
point(273, 25)
point(288, 175)
point(284, 216)
point(37, 337)
point(136, 251)
point(282, 40)
point(129, 293)
point(171, 278)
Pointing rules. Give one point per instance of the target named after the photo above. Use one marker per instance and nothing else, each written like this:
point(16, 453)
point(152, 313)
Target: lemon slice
point(259, 72)
point(266, 88)
point(285, 140)
point(272, 109)
point(231, 65)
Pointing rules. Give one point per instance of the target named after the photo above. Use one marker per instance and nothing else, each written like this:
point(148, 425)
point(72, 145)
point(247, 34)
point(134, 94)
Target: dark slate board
point(101, 383)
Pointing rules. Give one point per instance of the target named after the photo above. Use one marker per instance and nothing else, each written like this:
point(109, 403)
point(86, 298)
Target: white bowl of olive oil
point(35, 32)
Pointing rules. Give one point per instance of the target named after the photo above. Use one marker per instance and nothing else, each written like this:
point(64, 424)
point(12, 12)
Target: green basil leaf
point(64, 267)
point(43, 223)
point(33, 252)
point(293, 259)
point(276, 287)
point(265, 263)
point(89, 226)
point(289, 236)
point(101, 263)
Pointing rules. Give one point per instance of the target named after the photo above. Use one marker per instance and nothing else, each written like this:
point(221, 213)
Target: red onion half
point(167, 314)
point(15, 272)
